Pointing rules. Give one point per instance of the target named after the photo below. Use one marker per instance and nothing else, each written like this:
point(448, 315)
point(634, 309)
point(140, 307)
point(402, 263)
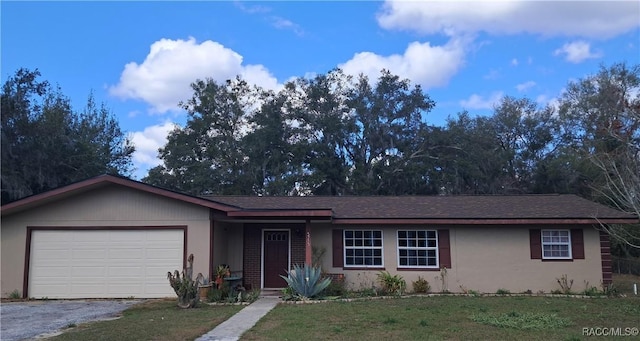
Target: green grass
point(153, 320)
point(446, 318)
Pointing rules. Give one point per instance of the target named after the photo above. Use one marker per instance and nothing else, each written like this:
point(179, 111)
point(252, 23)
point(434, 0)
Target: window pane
point(363, 247)
point(418, 249)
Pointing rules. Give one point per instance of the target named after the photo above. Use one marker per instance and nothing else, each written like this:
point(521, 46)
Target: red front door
point(276, 258)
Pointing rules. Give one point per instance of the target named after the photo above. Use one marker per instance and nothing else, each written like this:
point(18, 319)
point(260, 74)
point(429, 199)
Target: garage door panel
point(79, 272)
point(125, 253)
point(104, 264)
point(88, 253)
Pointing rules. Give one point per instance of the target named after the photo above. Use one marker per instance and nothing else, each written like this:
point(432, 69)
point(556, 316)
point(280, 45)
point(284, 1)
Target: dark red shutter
point(338, 253)
point(444, 249)
point(577, 244)
point(535, 243)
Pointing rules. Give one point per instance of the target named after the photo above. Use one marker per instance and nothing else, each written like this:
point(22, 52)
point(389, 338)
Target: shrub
point(421, 286)
point(15, 295)
point(305, 281)
point(337, 287)
point(565, 284)
point(394, 285)
point(502, 291)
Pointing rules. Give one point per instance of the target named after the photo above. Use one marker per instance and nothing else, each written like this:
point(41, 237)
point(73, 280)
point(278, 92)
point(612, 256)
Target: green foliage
point(502, 291)
point(592, 291)
point(421, 286)
point(522, 321)
point(611, 290)
point(337, 287)
point(305, 281)
point(46, 143)
point(184, 286)
point(394, 285)
point(15, 294)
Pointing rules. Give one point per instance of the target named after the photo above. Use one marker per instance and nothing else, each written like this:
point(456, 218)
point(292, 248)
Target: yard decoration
point(185, 287)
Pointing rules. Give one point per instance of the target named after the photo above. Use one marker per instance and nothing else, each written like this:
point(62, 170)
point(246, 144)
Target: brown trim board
point(472, 221)
point(103, 180)
point(31, 229)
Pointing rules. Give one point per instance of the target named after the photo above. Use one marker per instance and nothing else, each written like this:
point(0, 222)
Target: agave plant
point(305, 281)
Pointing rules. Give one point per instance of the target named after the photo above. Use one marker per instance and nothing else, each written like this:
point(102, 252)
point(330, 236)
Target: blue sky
point(140, 57)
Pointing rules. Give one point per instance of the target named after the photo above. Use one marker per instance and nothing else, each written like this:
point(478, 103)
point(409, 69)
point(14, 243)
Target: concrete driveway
point(26, 320)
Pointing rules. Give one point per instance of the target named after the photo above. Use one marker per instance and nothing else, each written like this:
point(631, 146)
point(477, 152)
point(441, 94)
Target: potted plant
point(204, 286)
point(222, 271)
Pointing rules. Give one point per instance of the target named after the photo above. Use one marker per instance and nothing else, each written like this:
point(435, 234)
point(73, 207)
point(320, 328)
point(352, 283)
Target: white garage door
point(104, 263)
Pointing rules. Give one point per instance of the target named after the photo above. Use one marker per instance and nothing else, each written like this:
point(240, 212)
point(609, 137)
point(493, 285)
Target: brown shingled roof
point(554, 206)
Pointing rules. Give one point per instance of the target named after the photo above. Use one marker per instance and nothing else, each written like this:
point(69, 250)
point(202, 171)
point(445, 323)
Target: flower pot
point(203, 291)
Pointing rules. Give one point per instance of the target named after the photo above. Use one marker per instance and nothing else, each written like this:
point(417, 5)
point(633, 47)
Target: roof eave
point(323, 214)
point(103, 180)
point(476, 221)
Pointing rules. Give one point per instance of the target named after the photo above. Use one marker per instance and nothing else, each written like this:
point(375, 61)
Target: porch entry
point(276, 257)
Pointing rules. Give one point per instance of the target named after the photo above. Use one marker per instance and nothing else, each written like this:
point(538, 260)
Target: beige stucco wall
point(483, 258)
point(108, 206)
point(227, 246)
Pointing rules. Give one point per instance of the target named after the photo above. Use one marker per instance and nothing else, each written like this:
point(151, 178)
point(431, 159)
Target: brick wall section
point(605, 252)
point(252, 249)
point(297, 244)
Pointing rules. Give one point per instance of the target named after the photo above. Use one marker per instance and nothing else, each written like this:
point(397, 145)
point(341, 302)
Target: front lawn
point(159, 320)
point(448, 318)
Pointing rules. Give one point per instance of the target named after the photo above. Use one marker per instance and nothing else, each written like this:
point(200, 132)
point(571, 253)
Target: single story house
point(109, 237)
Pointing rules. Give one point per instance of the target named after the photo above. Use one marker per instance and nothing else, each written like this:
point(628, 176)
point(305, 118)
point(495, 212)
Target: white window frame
point(551, 243)
point(419, 248)
point(363, 247)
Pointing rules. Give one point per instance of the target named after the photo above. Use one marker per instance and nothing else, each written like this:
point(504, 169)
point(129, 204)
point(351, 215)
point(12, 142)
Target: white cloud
point(476, 101)
point(514, 62)
point(282, 23)
point(252, 9)
point(594, 19)
point(422, 63)
point(163, 79)
point(147, 142)
point(525, 86)
point(576, 52)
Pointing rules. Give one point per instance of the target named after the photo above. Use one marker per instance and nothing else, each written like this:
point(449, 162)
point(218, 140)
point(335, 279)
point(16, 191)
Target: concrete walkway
point(231, 329)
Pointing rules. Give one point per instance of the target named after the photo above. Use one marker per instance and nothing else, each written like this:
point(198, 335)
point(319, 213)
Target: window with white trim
point(418, 249)
point(363, 248)
point(556, 244)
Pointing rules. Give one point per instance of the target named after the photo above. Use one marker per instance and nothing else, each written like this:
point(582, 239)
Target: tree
point(46, 144)
point(207, 155)
point(601, 114)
